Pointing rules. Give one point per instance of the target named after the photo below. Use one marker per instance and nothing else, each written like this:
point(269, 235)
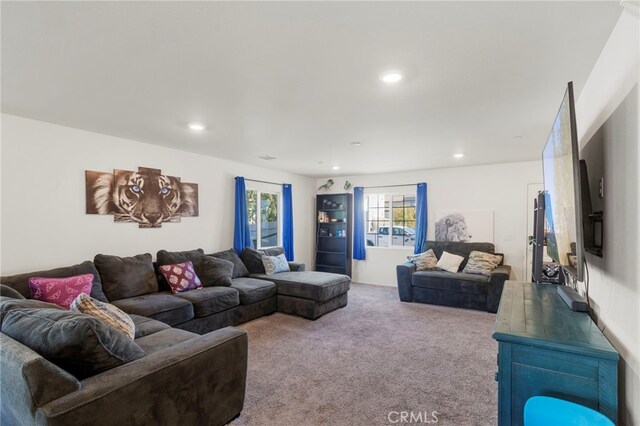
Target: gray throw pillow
point(8, 304)
point(78, 343)
point(214, 272)
point(124, 277)
point(20, 282)
point(252, 259)
point(239, 270)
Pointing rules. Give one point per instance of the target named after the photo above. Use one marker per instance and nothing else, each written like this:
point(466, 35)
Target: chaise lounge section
point(307, 294)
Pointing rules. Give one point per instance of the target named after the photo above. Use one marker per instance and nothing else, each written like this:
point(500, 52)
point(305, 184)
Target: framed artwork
point(464, 226)
point(146, 197)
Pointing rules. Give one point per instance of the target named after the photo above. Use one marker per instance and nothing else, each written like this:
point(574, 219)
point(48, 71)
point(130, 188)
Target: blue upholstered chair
point(547, 411)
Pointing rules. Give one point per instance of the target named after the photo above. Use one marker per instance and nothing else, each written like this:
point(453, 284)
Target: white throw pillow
point(449, 262)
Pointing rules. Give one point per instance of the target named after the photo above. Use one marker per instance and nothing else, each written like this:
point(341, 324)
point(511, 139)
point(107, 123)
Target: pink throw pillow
point(61, 291)
point(181, 277)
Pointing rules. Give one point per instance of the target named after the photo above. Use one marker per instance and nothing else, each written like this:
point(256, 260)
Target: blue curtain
point(359, 252)
point(287, 221)
point(421, 218)
point(241, 231)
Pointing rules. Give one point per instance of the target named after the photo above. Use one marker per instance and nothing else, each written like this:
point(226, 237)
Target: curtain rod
point(390, 186)
point(263, 181)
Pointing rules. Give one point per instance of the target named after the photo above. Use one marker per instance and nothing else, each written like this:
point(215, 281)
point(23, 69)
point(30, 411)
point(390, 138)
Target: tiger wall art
point(146, 197)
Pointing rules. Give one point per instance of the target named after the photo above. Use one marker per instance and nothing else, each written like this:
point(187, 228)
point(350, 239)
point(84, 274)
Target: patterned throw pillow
point(108, 313)
point(181, 277)
point(449, 262)
point(424, 261)
point(482, 263)
point(275, 264)
point(61, 291)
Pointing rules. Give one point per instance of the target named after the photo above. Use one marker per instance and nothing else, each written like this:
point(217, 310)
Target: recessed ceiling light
point(517, 137)
point(356, 143)
point(196, 126)
point(391, 77)
point(266, 157)
point(458, 155)
point(320, 162)
point(336, 167)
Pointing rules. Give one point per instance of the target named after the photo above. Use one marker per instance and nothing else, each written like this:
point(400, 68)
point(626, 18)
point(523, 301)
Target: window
point(263, 210)
point(390, 220)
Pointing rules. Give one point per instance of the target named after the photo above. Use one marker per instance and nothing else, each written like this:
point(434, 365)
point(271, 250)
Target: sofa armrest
point(199, 381)
point(404, 273)
point(296, 267)
point(496, 281)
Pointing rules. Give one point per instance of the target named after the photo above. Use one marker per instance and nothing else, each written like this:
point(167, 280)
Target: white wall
point(608, 125)
point(44, 223)
point(499, 187)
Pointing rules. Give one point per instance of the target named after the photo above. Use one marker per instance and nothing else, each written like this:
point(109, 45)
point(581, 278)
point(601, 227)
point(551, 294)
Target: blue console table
point(547, 349)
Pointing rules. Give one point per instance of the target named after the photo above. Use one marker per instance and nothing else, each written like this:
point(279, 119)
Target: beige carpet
point(356, 365)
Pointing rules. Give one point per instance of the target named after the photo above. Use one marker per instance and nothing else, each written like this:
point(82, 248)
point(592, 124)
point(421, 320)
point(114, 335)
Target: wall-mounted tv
point(563, 206)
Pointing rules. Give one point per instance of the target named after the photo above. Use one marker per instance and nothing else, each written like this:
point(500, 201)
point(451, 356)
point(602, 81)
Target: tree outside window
point(263, 221)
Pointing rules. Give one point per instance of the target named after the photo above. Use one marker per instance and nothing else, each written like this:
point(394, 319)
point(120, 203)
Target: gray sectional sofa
point(194, 370)
point(453, 289)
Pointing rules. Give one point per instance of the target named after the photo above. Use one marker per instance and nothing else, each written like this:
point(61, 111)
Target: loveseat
point(193, 369)
point(456, 289)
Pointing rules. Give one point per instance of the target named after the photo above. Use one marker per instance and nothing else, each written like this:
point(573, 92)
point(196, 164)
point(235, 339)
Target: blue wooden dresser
point(547, 349)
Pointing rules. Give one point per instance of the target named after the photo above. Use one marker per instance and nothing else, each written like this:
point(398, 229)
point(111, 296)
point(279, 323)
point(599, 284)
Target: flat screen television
point(563, 205)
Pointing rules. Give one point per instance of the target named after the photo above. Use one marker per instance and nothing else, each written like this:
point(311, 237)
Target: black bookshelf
point(333, 233)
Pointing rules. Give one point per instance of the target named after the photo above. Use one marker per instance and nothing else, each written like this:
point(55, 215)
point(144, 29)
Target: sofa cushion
point(8, 304)
point(214, 271)
point(163, 307)
point(181, 277)
point(61, 291)
point(172, 257)
point(20, 282)
point(482, 263)
point(253, 290)
point(461, 249)
point(145, 326)
point(211, 300)
point(448, 281)
point(164, 257)
point(164, 339)
point(275, 264)
point(252, 259)
point(239, 270)
point(124, 277)
point(109, 314)
point(320, 286)
point(78, 343)
point(7, 291)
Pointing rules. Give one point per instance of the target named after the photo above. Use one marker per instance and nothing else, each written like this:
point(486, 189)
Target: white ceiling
point(299, 81)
